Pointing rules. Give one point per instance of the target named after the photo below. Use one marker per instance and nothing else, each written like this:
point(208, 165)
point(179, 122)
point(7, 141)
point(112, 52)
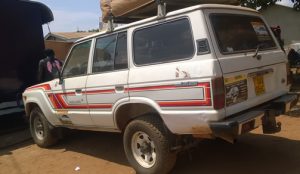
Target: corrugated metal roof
point(73, 35)
point(69, 36)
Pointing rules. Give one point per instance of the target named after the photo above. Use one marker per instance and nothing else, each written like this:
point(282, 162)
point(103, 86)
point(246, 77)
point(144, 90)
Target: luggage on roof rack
point(125, 11)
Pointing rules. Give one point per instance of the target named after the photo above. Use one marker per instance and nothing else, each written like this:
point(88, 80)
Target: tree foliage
point(262, 4)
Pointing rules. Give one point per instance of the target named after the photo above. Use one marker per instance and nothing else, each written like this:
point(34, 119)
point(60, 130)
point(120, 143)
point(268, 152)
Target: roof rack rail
point(110, 22)
point(161, 9)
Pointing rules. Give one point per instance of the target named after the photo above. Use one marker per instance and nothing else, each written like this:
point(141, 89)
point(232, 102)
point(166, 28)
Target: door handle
point(119, 88)
point(78, 91)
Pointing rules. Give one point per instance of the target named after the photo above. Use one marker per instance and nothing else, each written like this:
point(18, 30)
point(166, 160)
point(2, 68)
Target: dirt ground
point(102, 153)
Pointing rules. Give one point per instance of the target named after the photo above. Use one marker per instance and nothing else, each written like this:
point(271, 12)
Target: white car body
point(181, 92)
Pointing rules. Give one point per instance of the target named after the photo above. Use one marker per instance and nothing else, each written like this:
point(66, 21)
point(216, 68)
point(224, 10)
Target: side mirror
point(61, 80)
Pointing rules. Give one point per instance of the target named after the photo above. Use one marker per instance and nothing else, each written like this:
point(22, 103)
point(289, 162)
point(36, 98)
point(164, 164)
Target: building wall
point(61, 49)
point(54, 38)
point(287, 18)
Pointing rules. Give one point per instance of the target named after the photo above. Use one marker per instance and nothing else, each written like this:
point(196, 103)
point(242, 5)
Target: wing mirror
point(61, 80)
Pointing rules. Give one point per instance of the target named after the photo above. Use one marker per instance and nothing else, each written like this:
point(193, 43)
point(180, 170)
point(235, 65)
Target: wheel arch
point(32, 102)
point(29, 107)
point(134, 109)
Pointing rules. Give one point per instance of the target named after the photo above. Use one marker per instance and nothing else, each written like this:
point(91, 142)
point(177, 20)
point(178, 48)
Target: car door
point(253, 65)
point(107, 82)
point(71, 94)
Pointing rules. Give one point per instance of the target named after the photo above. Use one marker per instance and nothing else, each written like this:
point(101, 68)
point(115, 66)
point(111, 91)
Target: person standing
point(49, 67)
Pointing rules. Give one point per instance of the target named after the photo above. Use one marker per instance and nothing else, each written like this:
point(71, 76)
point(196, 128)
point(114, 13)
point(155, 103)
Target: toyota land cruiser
point(207, 71)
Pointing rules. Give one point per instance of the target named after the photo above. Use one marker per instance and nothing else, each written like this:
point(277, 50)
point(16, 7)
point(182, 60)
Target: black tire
point(38, 124)
point(157, 133)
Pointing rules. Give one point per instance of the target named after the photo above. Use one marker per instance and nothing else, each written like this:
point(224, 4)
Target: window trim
point(68, 59)
point(162, 23)
point(101, 37)
point(94, 48)
point(126, 33)
point(244, 51)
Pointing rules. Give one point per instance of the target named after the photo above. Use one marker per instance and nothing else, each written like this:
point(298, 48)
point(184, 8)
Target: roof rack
point(161, 13)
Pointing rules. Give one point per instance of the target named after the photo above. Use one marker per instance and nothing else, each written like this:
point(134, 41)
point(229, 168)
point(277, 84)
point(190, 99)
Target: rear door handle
point(119, 88)
point(78, 91)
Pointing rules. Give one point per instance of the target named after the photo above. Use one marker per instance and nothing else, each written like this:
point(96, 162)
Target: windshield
point(241, 33)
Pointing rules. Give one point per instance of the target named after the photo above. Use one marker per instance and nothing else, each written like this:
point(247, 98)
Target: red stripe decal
point(150, 88)
point(108, 91)
point(59, 102)
point(62, 104)
point(65, 105)
point(184, 103)
point(165, 87)
point(206, 102)
point(45, 87)
point(54, 102)
point(100, 106)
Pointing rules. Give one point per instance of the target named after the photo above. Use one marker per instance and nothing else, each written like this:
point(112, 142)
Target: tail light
point(289, 74)
point(218, 93)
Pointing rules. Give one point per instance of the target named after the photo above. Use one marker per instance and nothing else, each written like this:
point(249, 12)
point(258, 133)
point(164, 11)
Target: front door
point(71, 94)
point(106, 85)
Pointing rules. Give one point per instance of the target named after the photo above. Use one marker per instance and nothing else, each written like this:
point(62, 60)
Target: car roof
point(173, 13)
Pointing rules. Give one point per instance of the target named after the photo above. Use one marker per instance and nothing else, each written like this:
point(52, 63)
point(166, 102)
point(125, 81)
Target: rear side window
point(111, 53)
point(121, 60)
point(241, 33)
point(163, 43)
point(104, 54)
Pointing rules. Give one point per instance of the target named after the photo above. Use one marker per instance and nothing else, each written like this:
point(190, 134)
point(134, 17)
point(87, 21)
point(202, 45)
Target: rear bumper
point(230, 128)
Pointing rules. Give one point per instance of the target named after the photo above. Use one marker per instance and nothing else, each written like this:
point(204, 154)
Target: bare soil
point(102, 153)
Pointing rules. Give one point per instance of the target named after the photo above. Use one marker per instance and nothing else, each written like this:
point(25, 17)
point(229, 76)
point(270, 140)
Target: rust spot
point(62, 112)
point(202, 132)
point(182, 74)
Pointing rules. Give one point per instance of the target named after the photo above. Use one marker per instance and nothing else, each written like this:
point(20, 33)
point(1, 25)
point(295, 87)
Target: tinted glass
point(104, 54)
point(121, 60)
point(77, 62)
point(163, 43)
point(238, 33)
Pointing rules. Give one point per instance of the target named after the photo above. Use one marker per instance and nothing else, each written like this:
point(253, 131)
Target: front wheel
point(147, 146)
point(42, 132)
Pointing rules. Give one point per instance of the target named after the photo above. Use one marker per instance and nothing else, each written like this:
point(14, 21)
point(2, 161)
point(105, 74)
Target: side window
point(104, 54)
point(121, 60)
point(110, 53)
point(77, 62)
point(163, 43)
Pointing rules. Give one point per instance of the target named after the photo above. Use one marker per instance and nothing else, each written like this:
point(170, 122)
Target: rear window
point(163, 43)
point(240, 33)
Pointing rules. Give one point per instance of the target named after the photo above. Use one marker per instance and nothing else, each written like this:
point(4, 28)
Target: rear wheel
point(147, 146)
point(43, 134)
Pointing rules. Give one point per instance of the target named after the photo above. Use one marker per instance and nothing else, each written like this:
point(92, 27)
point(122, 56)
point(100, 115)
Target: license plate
point(247, 127)
point(259, 85)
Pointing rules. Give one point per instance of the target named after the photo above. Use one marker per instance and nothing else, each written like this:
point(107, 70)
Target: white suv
point(207, 71)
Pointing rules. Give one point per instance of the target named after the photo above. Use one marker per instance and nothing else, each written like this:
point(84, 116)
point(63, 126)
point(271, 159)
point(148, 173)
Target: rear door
point(254, 67)
point(106, 84)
